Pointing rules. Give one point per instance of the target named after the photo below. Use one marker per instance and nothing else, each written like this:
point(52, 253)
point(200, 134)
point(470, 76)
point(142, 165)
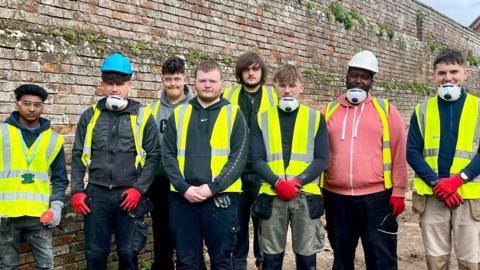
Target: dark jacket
point(198, 150)
point(287, 124)
point(113, 150)
point(58, 178)
point(450, 113)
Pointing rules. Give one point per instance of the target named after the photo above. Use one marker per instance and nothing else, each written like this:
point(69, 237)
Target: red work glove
point(447, 186)
point(132, 197)
point(79, 205)
point(295, 183)
point(454, 199)
point(398, 205)
point(286, 191)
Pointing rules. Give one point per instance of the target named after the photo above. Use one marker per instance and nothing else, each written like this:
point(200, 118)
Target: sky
point(462, 11)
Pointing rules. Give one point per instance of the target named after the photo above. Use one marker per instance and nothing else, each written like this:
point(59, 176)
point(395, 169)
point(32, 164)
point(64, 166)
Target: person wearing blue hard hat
point(117, 143)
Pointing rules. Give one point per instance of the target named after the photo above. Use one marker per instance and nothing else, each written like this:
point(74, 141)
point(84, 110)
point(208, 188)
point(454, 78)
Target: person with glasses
point(117, 144)
point(364, 185)
point(33, 180)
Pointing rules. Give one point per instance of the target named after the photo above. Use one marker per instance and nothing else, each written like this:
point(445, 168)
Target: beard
point(252, 85)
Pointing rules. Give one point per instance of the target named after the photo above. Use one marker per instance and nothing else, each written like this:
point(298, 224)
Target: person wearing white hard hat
point(443, 150)
point(364, 185)
point(117, 144)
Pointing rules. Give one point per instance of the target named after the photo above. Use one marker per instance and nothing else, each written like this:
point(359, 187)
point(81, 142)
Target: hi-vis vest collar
point(269, 97)
point(468, 141)
point(382, 107)
point(302, 149)
point(138, 123)
point(219, 142)
point(27, 199)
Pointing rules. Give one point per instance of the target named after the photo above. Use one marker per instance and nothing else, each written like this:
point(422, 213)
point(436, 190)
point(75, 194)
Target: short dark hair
point(30, 89)
point(115, 77)
point(173, 65)
point(245, 61)
point(287, 74)
point(207, 66)
point(449, 56)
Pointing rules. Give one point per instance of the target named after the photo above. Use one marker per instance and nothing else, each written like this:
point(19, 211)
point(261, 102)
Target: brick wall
point(59, 44)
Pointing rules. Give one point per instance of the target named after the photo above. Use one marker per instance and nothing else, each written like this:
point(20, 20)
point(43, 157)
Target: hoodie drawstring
point(355, 131)
point(344, 125)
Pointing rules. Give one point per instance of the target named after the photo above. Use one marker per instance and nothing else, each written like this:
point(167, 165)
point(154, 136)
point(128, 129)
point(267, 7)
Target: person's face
point(30, 108)
point(449, 73)
point(208, 85)
point(291, 89)
point(117, 89)
point(174, 84)
point(252, 75)
point(359, 78)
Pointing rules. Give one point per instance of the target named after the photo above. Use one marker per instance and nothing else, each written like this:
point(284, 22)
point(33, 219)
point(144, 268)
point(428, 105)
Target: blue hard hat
point(117, 62)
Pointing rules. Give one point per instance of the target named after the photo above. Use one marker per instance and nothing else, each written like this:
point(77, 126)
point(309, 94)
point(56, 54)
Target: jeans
point(107, 217)
point(38, 236)
point(352, 217)
point(250, 185)
point(192, 223)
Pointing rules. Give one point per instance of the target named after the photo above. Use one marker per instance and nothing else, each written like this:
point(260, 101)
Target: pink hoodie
point(355, 156)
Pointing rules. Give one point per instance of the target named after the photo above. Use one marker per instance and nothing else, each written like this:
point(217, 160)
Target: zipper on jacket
point(350, 175)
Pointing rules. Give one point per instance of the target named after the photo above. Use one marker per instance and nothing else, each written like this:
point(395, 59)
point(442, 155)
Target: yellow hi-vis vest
point(303, 142)
point(32, 199)
point(219, 142)
point(382, 106)
point(269, 97)
point(138, 123)
point(428, 118)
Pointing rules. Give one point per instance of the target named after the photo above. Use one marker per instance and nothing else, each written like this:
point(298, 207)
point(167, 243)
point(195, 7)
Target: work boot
point(437, 263)
point(273, 261)
point(306, 262)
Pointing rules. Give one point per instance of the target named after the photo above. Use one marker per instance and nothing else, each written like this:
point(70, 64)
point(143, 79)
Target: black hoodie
point(58, 178)
point(198, 150)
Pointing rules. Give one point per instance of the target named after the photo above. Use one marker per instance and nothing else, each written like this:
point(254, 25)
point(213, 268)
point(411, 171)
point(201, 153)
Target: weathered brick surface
point(59, 44)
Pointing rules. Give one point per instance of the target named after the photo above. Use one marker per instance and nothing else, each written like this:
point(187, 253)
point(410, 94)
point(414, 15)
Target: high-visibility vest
point(428, 118)
point(382, 107)
point(269, 97)
point(30, 199)
point(219, 142)
point(306, 126)
point(138, 123)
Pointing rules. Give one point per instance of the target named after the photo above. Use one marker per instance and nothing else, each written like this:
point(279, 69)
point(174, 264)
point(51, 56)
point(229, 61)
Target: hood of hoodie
point(14, 120)
point(188, 95)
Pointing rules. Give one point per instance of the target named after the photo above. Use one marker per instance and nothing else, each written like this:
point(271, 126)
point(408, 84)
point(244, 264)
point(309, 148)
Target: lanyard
point(29, 158)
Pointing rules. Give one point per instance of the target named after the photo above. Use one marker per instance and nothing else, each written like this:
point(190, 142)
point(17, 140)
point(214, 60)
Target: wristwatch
point(464, 176)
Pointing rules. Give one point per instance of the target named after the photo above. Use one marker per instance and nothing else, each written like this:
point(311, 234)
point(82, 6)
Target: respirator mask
point(116, 103)
point(356, 95)
point(288, 104)
point(449, 92)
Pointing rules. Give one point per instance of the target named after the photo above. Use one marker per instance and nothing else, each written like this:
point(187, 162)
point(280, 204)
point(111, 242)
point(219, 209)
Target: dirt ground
point(410, 247)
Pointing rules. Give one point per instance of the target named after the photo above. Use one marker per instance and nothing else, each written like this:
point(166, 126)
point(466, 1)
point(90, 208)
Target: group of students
point(204, 164)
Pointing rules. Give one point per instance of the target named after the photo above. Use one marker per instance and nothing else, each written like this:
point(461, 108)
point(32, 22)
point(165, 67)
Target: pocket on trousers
point(319, 241)
point(262, 206)
point(139, 238)
point(475, 208)
point(315, 206)
point(418, 203)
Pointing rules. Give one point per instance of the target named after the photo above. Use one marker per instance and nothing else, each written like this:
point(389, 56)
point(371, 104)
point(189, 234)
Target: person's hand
point(52, 216)
point(79, 205)
point(192, 195)
point(397, 204)
point(285, 190)
point(132, 197)
point(205, 191)
point(453, 200)
point(295, 183)
point(447, 186)
point(221, 201)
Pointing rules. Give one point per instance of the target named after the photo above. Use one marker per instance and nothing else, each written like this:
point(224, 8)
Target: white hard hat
point(365, 60)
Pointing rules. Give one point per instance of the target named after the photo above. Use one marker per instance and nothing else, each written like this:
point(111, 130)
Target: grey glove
point(221, 201)
point(56, 208)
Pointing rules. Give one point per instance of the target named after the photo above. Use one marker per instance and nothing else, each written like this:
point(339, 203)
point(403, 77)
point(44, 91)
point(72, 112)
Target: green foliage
point(169, 52)
point(435, 47)
point(472, 60)
point(414, 86)
point(341, 15)
point(228, 60)
point(309, 6)
point(357, 17)
point(196, 56)
point(69, 35)
point(137, 47)
point(384, 29)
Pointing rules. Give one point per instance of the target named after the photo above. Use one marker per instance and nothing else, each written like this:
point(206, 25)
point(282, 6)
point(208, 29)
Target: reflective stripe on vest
point(32, 199)
point(138, 123)
point(219, 142)
point(428, 119)
point(269, 97)
point(303, 142)
point(155, 109)
point(382, 107)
